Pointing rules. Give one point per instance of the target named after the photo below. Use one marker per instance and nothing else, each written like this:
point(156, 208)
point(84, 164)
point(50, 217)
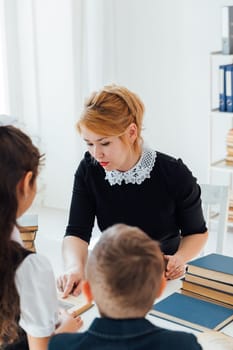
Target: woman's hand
point(175, 266)
point(190, 246)
point(70, 282)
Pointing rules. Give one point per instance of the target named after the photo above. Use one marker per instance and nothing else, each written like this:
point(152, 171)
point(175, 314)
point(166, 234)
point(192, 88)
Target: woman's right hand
point(70, 282)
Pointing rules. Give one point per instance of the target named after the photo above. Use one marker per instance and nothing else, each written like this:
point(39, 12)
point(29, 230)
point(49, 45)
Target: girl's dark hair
point(17, 156)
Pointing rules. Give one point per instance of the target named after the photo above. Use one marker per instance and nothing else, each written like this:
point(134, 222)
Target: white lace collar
point(137, 174)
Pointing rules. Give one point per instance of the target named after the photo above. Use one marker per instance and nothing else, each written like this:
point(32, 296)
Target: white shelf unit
point(219, 125)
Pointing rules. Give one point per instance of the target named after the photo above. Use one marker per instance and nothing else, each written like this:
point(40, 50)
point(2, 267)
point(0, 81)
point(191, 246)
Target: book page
point(215, 341)
point(74, 305)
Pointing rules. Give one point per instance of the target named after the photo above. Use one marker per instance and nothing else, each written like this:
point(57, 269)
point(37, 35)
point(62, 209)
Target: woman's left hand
point(175, 266)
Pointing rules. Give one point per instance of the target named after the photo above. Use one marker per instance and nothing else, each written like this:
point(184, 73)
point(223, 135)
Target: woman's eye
point(105, 144)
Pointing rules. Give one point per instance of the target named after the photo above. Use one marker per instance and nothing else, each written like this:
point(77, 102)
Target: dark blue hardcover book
point(213, 266)
point(193, 312)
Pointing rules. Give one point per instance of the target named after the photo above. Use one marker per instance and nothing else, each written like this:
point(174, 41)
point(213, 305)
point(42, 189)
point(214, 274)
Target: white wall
point(163, 53)
point(158, 48)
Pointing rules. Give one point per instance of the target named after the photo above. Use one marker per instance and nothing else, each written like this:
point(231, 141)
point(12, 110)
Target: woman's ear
point(132, 132)
point(86, 289)
point(162, 286)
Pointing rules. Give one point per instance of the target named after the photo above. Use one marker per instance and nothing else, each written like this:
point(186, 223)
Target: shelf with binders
point(220, 78)
point(221, 124)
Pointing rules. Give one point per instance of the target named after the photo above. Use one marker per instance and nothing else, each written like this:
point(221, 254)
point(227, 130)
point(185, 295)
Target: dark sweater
point(133, 334)
point(166, 206)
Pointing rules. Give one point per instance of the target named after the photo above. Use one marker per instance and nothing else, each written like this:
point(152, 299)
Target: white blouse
point(35, 283)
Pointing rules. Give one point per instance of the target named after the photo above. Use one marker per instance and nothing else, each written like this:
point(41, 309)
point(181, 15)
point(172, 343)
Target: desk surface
point(171, 287)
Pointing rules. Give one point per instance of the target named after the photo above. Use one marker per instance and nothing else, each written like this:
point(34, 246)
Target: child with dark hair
point(28, 297)
point(124, 273)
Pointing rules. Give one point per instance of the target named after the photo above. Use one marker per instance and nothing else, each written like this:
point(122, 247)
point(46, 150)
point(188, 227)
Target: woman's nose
point(98, 154)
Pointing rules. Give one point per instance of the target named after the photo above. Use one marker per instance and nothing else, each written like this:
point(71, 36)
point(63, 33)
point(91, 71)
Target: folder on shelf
point(227, 30)
point(229, 88)
point(222, 88)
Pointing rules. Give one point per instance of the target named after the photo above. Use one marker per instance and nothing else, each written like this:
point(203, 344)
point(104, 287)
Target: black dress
point(166, 205)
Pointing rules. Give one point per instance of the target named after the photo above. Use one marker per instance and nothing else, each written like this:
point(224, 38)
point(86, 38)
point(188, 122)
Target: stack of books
point(28, 227)
point(210, 276)
point(229, 146)
point(230, 210)
point(205, 300)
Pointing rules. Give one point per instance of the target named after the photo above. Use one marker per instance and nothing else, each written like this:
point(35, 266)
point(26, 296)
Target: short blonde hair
point(111, 110)
point(125, 267)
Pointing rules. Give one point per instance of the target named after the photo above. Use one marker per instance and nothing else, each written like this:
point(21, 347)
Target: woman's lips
point(103, 164)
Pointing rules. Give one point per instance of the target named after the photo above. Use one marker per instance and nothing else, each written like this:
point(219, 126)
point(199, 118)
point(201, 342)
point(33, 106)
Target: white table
point(171, 287)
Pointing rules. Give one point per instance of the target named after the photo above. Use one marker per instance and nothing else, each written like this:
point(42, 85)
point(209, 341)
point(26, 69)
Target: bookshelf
point(220, 171)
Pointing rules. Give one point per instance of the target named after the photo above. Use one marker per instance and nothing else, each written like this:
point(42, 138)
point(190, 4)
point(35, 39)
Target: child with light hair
point(124, 275)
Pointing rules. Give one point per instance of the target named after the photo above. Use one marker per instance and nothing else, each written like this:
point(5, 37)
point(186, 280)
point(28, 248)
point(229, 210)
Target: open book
point(74, 305)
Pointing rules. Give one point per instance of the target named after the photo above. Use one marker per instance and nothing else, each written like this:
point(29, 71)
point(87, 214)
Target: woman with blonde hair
point(120, 180)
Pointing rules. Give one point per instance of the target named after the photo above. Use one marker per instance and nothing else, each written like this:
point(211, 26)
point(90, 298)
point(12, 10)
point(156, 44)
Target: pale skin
point(112, 153)
point(189, 247)
point(116, 311)
point(26, 191)
point(75, 252)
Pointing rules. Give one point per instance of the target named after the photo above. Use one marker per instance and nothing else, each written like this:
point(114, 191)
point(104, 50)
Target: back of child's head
point(125, 270)
point(18, 156)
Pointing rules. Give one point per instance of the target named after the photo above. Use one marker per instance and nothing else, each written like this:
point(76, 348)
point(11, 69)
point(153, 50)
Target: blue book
point(222, 88)
point(229, 88)
point(213, 266)
point(193, 312)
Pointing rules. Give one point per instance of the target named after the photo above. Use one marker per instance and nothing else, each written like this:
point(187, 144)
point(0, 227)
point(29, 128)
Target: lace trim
point(137, 174)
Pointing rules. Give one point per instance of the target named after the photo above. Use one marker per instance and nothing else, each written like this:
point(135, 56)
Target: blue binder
point(222, 88)
point(229, 88)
